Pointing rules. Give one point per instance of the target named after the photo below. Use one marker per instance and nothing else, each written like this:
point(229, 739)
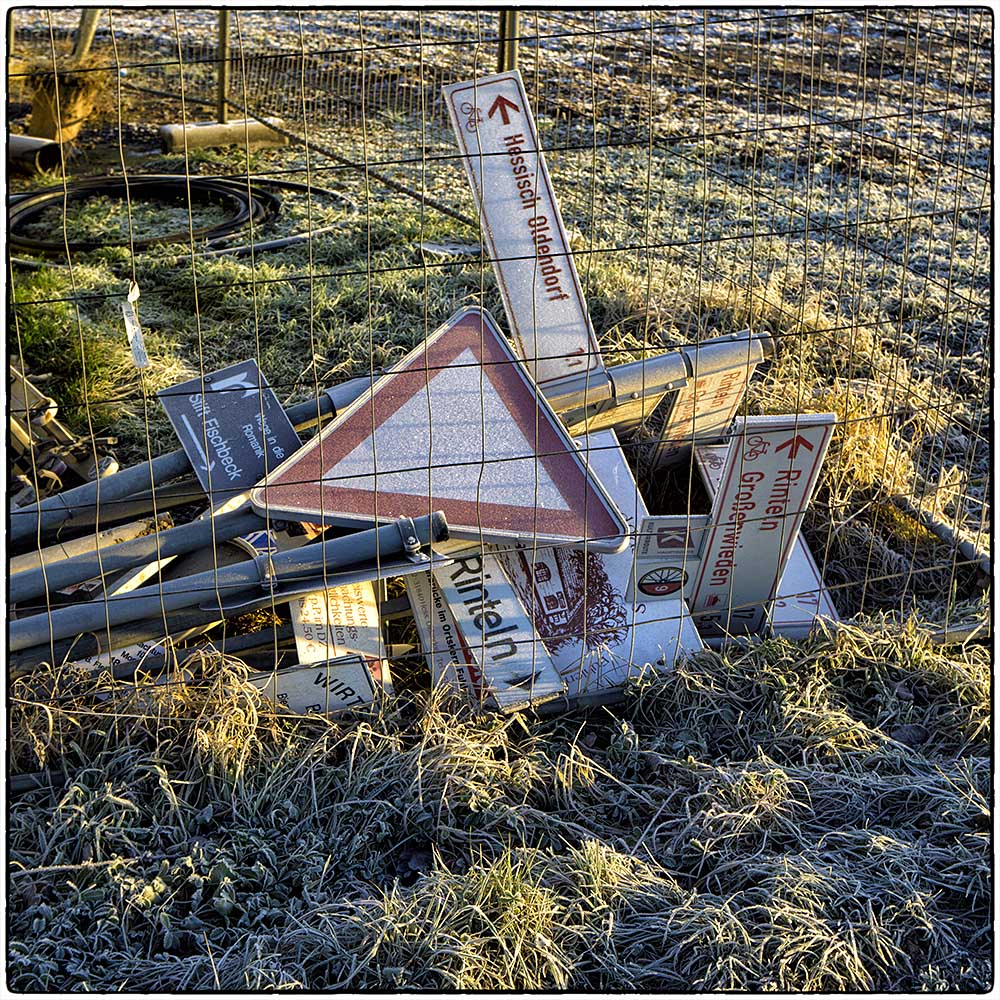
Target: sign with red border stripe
point(771, 468)
point(459, 426)
point(522, 227)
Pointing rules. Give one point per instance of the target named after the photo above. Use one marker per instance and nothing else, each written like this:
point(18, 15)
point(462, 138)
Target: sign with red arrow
point(765, 484)
point(457, 426)
point(793, 445)
point(522, 228)
point(801, 600)
point(502, 105)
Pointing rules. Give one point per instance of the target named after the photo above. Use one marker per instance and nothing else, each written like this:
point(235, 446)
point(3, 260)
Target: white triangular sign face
point(457, 426)
point(454, 447)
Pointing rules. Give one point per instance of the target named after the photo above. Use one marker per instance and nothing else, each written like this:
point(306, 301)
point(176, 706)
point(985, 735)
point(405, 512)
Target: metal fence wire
point(820, 177)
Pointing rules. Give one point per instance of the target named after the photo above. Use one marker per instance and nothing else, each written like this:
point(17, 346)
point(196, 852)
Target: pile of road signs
point(553, 582)
point(44, 455)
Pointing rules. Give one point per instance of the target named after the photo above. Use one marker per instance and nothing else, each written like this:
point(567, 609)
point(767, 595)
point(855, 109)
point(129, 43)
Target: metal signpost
point(523, 230)
point(456, 425)
point(247, 585)
point(232, 427)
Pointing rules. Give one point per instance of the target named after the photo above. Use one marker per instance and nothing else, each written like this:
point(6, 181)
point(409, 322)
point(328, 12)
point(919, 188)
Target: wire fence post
point(85, 33)
point(222, 81)
point(507, 48)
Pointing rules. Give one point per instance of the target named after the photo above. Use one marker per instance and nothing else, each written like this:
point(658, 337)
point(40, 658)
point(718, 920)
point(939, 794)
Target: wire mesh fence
point(819, 175)
point(805, 194)
point(823, 175)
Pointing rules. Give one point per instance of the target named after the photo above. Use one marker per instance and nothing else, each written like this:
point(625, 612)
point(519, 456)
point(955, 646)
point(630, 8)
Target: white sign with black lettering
point(515, 665)
point(448, 655)
point(522, 227)
point(772, 465)
point(342, 683)
point(124, 656)
point(338, 621)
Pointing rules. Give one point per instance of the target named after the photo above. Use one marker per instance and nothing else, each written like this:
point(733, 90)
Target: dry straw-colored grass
point(792, 818)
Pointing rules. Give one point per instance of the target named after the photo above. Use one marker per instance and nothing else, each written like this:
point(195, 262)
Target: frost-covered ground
point(799, 817)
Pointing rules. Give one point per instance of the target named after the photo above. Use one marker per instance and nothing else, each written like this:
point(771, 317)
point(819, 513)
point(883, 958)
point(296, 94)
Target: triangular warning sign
point(457, 426)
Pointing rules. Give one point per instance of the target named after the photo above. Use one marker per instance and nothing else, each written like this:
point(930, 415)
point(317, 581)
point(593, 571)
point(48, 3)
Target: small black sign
point(232, 427)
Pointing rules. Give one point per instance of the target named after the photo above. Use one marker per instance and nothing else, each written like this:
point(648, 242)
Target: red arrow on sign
point(794, 444)
point(501, 104)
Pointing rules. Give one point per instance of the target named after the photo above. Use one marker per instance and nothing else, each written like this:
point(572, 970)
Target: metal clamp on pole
point(632, 392)
point(408, 535)
point(362, 551)
point(268, 575)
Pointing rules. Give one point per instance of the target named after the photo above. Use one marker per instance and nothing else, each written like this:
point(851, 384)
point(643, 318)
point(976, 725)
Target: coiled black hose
point(244, 203)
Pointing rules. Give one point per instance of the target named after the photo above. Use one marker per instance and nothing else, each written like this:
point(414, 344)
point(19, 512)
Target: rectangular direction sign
point(802, 598)
point(335, 685)
point(448, 655)
point(232, 428)
point(123, 656)
point(494, 653)
point(705, 405)
point(522, 227)
point(771, 467)
point(581, 602)
point(338, 621)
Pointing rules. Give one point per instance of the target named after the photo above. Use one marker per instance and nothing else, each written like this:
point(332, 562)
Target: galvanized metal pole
point(77, 547)
point(507, 49)
point(222, 87)
point(132, 553)
point(85, 33)
point(217, 587)
point(141, 505)
point(96, 642)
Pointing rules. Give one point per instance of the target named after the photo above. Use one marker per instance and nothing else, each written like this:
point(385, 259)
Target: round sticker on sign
point(662, 582)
